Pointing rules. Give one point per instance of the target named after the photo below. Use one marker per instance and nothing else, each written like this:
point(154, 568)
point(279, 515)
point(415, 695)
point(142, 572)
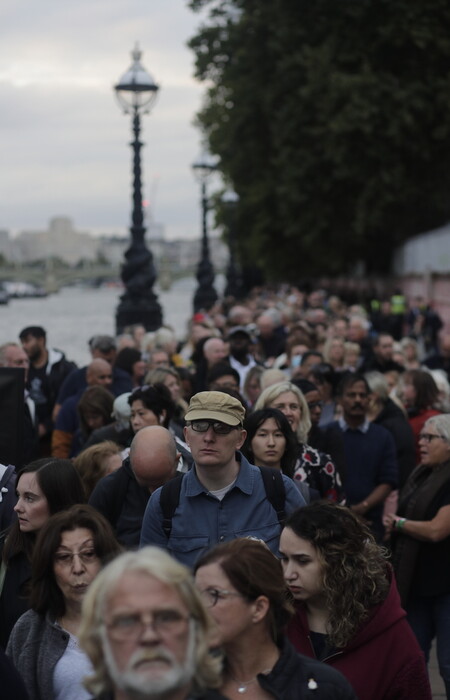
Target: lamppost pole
point(233, 286)
point(205, 296)
point(136, 92)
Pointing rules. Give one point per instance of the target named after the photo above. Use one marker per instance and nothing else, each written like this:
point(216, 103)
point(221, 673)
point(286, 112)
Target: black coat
point(122, 501)
point(393, 419)
point(297, 677)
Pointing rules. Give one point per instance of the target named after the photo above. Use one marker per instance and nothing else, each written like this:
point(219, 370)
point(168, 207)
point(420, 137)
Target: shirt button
point(221, 538)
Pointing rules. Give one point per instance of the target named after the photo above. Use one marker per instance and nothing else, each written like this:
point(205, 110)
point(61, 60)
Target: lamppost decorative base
point(138, 311)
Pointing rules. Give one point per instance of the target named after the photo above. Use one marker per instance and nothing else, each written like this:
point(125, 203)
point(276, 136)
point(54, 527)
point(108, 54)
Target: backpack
point(273, 485)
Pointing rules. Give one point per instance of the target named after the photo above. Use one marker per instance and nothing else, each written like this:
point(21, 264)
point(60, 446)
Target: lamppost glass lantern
point(136, 93)
point(205, 296)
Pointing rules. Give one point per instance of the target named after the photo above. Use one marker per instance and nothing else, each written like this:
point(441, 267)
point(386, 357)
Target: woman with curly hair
point(241, 583)
point(348, 611)
point(313, 467)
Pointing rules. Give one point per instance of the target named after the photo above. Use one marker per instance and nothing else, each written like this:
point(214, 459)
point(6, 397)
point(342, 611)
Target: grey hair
point(158, 564)
point(271, 393)
point(442, 425)
point(378, 384)
point(4, 348)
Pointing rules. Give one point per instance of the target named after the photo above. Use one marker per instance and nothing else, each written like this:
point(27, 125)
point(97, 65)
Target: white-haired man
point(146, 632)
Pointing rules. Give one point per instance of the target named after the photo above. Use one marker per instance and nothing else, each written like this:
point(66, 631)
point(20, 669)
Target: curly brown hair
point(355, 570)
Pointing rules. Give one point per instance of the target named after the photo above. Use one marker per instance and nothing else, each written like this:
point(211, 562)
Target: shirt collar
point(244, 480)
point(344, 426)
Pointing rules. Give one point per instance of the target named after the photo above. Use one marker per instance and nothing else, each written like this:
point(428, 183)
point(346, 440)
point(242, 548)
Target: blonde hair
point(156, 563)
point(269, 395)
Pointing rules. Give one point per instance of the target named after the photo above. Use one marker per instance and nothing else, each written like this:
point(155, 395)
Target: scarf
point(420, 490)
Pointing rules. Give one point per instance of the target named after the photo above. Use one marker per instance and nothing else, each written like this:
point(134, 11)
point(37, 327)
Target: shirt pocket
point(269, 534)
point(188, 548)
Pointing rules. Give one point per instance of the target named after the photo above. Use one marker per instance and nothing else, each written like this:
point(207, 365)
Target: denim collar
point(244, 480)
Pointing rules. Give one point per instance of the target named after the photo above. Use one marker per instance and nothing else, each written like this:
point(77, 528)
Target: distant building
point(60, 240)
point(429, 252)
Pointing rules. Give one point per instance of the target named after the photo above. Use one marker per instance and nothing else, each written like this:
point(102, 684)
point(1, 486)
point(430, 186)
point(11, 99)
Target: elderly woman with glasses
point(421, 543)
point(69, 553)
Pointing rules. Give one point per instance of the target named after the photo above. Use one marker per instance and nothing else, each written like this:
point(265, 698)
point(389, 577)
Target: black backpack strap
point(169, 500)
point(275, 491)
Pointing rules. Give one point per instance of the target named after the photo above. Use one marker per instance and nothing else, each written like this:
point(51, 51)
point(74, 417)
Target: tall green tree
point(331, 119)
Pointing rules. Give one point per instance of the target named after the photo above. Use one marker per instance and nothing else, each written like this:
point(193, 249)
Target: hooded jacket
point(383, 661)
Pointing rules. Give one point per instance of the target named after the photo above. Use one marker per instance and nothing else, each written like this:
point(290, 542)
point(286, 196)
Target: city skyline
point(65, 141)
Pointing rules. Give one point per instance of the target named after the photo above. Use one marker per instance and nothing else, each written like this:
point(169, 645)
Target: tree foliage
point(331, 119)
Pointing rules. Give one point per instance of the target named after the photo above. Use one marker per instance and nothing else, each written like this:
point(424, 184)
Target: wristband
point(400, 523)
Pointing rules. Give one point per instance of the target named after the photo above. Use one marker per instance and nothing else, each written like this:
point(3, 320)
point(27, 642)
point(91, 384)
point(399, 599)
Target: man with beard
point(47, 371)
point(240, 357)
point(371, 466)
point(147, 633)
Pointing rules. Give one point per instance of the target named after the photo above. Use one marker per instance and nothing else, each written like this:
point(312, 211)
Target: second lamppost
point(205, 296)
point(136, 92)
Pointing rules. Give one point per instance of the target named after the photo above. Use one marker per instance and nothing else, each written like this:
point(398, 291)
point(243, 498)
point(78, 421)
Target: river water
point(75, 314)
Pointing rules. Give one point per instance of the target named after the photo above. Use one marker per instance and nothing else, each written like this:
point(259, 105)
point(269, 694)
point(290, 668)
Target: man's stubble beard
point(139, 686)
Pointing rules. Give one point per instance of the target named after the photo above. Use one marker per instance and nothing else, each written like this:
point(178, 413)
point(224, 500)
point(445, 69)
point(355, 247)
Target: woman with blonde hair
point(312, 466)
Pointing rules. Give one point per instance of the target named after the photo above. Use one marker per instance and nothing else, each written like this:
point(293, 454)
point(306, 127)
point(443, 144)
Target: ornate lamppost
point(136, 92)
point(233, 287)
point(205, 296)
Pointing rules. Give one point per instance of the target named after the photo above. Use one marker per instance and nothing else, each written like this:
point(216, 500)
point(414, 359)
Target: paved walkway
point(437, 685)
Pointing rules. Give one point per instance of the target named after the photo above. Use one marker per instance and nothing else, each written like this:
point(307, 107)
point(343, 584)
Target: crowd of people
point(261, 508)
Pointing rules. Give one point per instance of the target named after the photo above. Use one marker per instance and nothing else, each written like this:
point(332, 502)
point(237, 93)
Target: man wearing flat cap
point(223, 496)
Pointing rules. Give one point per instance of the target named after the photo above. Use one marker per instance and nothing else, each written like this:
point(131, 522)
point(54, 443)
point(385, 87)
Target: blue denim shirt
point(201, 520)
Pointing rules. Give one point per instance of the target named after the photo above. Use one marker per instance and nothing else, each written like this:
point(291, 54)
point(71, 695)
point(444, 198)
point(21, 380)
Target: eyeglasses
point(202, 426)
point(131, 626)
point(315, 404)
point(212, 595)
point(428, 437)
point(87, 556)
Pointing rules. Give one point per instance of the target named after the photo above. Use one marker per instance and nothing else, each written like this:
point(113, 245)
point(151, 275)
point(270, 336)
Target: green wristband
point(399, 524)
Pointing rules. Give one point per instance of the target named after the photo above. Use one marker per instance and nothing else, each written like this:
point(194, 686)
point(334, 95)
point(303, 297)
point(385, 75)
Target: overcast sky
point(64, 141)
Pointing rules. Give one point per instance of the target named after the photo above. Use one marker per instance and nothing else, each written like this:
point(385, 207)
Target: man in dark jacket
point(122, 496)
point(46, 374)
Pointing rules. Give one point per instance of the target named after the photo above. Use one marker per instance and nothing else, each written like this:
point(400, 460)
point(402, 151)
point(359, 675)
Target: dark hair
point(311, 353)
point(98, 400)
point(35, 331)
point(61, 485)
point(354, 567)
point(427, 392)
point(349, 379)
point(156, 398)
point(254, 421)
point(222, 369)
point(46, 596)
point(324, 373)
point(254, 571)
point(304, 385)
point(126, 358)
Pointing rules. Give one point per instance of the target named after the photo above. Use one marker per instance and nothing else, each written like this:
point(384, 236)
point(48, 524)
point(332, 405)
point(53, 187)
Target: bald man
point(123, 495)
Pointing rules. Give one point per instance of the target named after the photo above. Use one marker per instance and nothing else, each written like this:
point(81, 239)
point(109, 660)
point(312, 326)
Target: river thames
point(75, 314)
